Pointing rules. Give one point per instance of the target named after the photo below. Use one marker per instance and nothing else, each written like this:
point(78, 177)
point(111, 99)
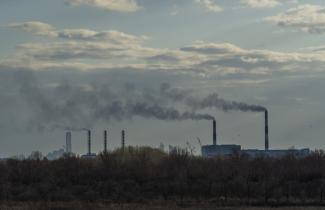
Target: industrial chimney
point(68, 146)
point(123, 139)
point(266, 130)
point(89, 142)
point(214, 132)
point(105, 141)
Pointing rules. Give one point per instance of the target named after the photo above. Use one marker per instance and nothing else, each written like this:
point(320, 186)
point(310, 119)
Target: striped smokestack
point(266, 130)
point(105, 141)
point(68, 147)
point(214, 132)
point(123, 139)
point(89, 142)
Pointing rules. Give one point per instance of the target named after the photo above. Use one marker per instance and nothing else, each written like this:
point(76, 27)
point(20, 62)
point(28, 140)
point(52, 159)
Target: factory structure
point(227, 150)
point(89, 154)
point(68, 143)
point(208, 151)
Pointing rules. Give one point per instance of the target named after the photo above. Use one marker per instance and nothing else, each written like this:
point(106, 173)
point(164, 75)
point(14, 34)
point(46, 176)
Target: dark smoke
point(211, 101)
point(120, 111)
point(73, 107)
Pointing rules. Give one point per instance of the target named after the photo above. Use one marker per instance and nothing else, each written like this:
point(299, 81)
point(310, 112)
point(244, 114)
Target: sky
point(160, 70)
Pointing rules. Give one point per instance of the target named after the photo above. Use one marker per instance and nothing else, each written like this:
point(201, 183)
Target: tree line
point(143, 174)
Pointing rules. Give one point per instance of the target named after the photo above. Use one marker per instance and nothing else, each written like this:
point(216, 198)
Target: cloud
point(113, 5)
point(198, 58)
point(308, 18)
point(111, 36)
point(226, 51)
point(212, 48)
point(314, 48)
point(209, 5)
point(88, 50)
point(226, 58)
point(84, 50)
point(174, 10)
point(47, 30)
point(35, 27)
point(260, 3)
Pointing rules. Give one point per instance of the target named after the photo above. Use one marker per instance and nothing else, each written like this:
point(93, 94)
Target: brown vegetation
point(148, 176)
point(101, 206)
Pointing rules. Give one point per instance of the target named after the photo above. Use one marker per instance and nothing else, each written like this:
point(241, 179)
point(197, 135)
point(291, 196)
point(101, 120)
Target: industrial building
point(220, 150)
point(216, 150)
point(275, 153)
point(213, 150)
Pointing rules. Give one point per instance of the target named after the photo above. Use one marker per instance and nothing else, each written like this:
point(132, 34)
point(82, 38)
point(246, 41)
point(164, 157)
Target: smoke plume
point(67, 106)
point(211, 101)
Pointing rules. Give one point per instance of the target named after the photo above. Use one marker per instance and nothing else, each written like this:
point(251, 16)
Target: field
point(146, 178)
point(83, 206)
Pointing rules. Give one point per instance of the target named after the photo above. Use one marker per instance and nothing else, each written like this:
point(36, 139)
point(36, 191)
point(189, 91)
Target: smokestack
point(105, 141)
point(89, 142)
point(68, 146)
point(214, 132)
point(123, 139)
point(266, 130)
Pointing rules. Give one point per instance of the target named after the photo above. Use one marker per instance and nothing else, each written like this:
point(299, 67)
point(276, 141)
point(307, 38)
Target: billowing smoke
point(146, 110)
point(68, 106)
point(73, 107)
point(211, 101)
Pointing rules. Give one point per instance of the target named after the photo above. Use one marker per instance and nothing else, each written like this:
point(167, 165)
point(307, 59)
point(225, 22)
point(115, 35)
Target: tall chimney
point(68, 146)
point(123, 139)
point(89, 142)
point(266, 130)
point(214, 132)
point(105, 141)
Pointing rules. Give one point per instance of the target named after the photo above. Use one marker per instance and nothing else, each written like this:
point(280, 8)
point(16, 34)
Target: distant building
point(89, 156)
point(216, 150)
point(276, 153)
point(230, 150)
point(220, 150)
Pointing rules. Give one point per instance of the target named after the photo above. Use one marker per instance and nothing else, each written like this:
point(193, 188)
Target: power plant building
point(276, 153)
point(215, 150)
point(220, 150)
point(209, 151)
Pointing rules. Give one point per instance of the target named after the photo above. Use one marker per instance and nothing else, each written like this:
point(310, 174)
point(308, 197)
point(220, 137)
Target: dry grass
point(85, 206)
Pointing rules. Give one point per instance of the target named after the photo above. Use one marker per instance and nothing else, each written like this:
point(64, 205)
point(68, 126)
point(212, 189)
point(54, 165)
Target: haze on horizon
point(61, 60)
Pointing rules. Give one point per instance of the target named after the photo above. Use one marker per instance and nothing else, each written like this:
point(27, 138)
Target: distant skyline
point(61, 60)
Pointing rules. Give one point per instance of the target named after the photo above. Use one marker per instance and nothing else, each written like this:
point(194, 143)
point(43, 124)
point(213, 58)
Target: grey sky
point(265, 52)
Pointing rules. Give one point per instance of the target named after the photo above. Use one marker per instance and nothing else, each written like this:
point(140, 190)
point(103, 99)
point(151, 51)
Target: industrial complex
point(207, 151)
point(89, 154)
point(216, 150)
